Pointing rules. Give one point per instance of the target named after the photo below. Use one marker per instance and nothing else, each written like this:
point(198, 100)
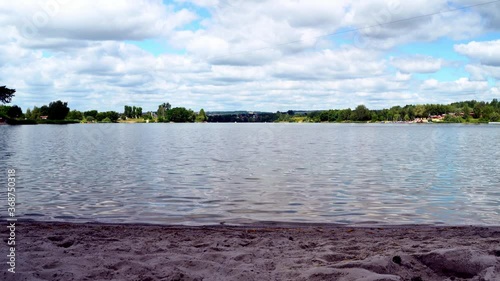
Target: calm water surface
point(237, 173)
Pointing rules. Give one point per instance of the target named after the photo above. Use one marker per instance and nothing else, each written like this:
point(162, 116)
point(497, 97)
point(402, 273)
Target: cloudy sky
point(264, 55)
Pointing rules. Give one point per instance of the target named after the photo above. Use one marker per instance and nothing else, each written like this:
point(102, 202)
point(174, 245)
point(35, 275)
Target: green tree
point(127, 111)
point(202, 117)
point(344, 115)
point(495, 103)
point(75, 115)
point(112, 116)
point(494, 117)
point(162, 111)
point(361, 113)
point(180, 115)
point(14, 112)
point(138, 112)
point(6, 94)
point(92, 113)
point(44, 110)
point(449, 118)
point(58, 110)
point(147, 116)
point(35, 113)
point(487, 111)
point(100, 116)
point(28, 114)
point(420, 111)
point(466, 111)
point(4, 109)
point(478, 110)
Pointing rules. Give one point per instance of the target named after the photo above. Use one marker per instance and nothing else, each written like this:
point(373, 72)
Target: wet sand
point(66, 251)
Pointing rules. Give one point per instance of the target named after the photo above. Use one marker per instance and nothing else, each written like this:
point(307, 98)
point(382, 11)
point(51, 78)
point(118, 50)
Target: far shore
point(141, 121)
point(90, 251)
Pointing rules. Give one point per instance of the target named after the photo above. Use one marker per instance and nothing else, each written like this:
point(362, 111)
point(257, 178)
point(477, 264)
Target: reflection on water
point(208, 173)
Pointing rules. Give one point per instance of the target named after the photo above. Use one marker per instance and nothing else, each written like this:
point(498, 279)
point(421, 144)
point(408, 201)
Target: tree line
point(458, 112)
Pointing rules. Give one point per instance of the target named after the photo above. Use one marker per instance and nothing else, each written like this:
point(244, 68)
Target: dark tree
point(361, 113)
point(44, 110)
point(127, 111)
point(92, 113)
point(113, 116)
point(75, 115)
point(100, 116)
point(162, 111)
point(58, 110)
point(15, 112)
point(6, 94)
point(180, 115)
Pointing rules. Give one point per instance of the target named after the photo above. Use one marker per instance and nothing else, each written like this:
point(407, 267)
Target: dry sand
point(65, 251)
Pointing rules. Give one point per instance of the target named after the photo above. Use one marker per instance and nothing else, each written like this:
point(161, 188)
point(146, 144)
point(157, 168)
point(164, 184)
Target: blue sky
point(253, 55)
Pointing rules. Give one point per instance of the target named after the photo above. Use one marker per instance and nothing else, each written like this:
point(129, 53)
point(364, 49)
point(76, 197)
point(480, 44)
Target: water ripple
point(208, 173)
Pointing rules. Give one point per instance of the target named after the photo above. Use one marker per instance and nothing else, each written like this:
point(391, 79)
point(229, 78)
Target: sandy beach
point(67, 251)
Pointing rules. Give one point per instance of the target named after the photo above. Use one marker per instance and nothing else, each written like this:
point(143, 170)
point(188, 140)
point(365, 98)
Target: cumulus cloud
point(93, 20)
point(385, 24)
point(482, 72)
point(487, 52)
point(252, 54)
point(460, 85)
point(417, 64)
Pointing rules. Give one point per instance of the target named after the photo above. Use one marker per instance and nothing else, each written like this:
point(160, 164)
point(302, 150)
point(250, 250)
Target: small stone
point(396, 260)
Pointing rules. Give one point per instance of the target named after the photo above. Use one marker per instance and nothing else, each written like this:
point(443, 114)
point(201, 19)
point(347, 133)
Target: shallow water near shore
point(236, 173)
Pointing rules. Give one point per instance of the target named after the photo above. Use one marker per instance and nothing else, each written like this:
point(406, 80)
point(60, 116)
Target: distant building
point(44, 117)
point(150, 113)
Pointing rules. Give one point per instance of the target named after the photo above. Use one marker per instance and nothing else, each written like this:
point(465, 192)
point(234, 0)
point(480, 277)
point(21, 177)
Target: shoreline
point(258, 251)
point(70, 122)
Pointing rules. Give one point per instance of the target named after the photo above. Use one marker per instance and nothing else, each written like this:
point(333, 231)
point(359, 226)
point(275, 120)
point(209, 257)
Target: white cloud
point(93, 20)
point(346, 63)
point(482, 72)
point(396, 22)
point(417, 64)
point(487, 52)
point(460, 86)
point(252, 54)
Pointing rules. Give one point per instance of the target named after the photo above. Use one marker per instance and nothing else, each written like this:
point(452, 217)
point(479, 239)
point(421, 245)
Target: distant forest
point(59, 112)
point(459, 112)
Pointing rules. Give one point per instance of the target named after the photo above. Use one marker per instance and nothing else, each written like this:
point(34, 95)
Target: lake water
point(238, 173)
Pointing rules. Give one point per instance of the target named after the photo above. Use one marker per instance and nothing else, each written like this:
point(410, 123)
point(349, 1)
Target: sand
point(66, 251)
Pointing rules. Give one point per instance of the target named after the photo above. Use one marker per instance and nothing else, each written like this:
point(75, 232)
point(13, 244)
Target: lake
point(237, 173)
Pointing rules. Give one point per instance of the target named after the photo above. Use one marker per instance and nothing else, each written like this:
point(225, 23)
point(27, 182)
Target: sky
point(249, 54)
